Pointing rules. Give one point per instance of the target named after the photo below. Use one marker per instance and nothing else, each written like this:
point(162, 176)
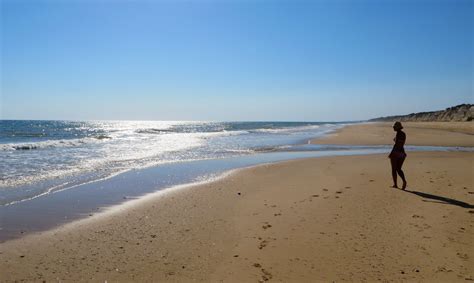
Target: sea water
point(41, 157)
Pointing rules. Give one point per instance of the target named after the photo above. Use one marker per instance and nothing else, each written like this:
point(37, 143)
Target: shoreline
point(82, 202)
point(66, 206)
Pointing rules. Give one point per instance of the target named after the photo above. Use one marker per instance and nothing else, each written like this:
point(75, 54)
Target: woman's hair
point(398, 125)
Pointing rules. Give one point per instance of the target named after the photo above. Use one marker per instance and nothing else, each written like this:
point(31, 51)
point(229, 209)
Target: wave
point(238, 128)
point(248, 151)
point(27, 135)
point(102, 137)
point(263, 149)
point(154, 131)
point(52, 143)
point(225, 131)
point(207, 135)
point(285, 129)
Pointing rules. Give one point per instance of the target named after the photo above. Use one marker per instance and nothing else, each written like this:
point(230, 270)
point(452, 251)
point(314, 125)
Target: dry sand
point(322, 219)
point(418, 133)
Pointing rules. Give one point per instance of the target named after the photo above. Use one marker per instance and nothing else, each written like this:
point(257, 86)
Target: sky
point(229, 60)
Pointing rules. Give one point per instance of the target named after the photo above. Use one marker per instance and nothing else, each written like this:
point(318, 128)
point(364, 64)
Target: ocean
point(41, 157)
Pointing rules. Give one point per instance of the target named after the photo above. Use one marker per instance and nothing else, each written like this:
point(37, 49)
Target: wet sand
point(418, 133)
point(320, 219)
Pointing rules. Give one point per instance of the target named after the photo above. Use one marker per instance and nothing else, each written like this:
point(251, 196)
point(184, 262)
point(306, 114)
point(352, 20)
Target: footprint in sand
point(443, 269)
point(266, 275)
point(262, 244)
point(266, 226)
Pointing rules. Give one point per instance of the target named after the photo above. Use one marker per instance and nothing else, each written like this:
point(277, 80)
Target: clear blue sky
point(234, 60)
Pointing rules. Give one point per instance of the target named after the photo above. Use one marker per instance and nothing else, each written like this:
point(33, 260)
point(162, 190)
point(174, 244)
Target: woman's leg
point(400, 172)
point(393, 162)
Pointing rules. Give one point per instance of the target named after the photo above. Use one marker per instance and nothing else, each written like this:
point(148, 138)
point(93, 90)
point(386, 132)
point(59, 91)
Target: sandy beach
point(418, 133)
point(321, 219)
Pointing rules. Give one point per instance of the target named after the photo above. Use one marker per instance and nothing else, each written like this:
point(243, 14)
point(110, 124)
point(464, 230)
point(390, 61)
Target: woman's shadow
point(440, 199)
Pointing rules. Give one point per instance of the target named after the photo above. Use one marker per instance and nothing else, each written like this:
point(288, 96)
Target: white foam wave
point(240, 150)
point(286, 129)
point(154, 131)
point(206, 135)
point(52, 143)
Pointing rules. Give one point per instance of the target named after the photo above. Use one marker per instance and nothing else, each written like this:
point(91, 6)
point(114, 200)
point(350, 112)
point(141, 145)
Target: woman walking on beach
point(397, 156)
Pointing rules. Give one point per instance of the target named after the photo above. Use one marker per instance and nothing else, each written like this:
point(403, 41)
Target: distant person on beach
point(398, 155)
